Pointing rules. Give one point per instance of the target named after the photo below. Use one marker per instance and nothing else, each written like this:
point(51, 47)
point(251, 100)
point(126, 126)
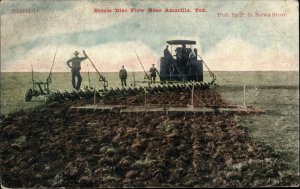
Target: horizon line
point(143, 71)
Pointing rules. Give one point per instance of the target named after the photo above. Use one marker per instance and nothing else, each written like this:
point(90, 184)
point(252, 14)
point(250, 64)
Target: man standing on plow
point(75, 69)
point(123, 76)
point(153, 72)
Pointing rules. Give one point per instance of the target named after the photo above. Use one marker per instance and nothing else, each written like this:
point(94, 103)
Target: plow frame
point(38, 89)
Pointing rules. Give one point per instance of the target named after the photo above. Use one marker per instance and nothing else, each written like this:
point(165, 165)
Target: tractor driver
point(167, 53)
point(75, 69)
point(168, 56)
point(192, 55)
point(185, 54)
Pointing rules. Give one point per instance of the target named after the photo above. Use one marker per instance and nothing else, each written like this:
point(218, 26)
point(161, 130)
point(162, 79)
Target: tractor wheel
point(28, 95)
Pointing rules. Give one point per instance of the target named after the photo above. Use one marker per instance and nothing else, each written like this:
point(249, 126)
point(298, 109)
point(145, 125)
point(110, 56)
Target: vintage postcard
point(149, 93)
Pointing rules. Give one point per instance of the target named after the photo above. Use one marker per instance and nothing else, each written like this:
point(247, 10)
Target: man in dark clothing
point(167, 53)
point(75, 69)
point(185, 54)
point(153, 71)
point(192, 55)
point(123, 76)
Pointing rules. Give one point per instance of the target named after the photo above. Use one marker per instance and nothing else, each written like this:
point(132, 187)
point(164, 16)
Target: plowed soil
point(53, 147)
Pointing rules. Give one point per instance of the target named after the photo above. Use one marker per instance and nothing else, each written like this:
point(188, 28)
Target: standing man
point(192, 55)
point(123, 76)
point(75, 69)
point(153, 71)
point(167, 53)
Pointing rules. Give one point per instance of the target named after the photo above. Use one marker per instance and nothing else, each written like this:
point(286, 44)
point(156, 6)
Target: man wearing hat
point(123, 76)
point(75, 69)
point(153, 71)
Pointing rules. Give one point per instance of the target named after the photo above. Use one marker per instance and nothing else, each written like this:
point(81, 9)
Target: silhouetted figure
point(153, 72)
point(192, 55)
point(196, 53)
point(75, 69)
point(183, 48)
point(123, 76)
point(185, 54)
point(167, 53)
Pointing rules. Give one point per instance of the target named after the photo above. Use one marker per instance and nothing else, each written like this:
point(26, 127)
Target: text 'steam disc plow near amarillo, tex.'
point(177, 132)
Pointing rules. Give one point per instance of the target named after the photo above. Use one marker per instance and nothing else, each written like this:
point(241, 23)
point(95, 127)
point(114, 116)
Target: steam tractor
point(180, 63)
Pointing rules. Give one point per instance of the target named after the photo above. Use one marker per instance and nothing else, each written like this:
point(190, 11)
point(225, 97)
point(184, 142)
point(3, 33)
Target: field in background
point(275, 92)
point(278, 94)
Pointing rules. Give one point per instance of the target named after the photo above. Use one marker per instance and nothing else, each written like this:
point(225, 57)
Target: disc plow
point(89, 93)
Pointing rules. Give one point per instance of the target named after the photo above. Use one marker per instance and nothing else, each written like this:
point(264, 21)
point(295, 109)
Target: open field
point(276, 92)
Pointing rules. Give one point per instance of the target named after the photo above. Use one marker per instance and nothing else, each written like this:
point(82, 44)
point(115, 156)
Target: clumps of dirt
point(53, 147)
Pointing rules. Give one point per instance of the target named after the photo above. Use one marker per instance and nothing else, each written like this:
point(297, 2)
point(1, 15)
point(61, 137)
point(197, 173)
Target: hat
point(76, 53)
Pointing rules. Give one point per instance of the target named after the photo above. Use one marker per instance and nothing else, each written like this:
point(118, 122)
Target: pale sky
point(226, 43)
